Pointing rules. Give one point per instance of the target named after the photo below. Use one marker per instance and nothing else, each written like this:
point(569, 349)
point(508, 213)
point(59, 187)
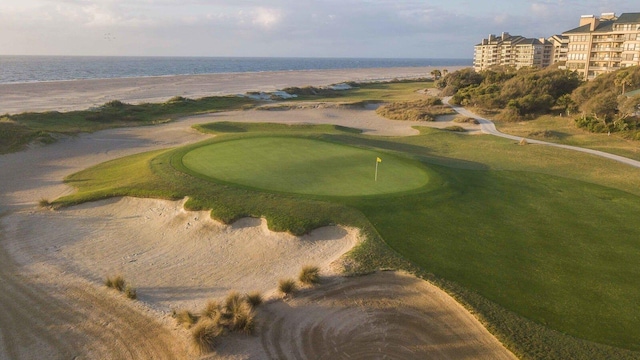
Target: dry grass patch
point(205, 335)
point(309, 275)
point(465, 120)
point(118, 283)
point(287, 286)
point(186, 318)
point(234, 314)
point(254, 299)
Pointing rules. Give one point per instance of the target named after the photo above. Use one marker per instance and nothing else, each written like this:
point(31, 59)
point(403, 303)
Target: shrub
point(254, 299)
point(44, 203)
point(205, 335)
point(309, 275)
point(455, 128)
point(287, 286)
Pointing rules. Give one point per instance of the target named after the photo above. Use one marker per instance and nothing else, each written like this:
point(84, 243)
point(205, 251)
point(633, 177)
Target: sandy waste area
point(53, 304)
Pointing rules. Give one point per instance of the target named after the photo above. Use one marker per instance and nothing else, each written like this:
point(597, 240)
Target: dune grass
point(287, 286)
point(309, 275)
point(18, 130)
point(537, 241)
point(374, 92)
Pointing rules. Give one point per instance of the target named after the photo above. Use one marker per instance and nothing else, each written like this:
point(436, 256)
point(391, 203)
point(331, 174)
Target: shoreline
point(69, 95)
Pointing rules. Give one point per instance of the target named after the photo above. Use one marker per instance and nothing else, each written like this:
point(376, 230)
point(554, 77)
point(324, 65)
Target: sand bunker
point(175, 258)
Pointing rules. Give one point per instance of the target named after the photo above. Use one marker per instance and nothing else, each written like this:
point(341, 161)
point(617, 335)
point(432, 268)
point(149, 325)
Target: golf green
point(306, 166)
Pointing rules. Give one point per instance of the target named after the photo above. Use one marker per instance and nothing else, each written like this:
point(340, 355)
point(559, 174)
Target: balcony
point(608, 39)
point(606, 49)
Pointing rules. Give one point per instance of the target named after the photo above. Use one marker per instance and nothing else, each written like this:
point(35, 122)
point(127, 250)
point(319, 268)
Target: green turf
point(305, 166)
point(526, 227)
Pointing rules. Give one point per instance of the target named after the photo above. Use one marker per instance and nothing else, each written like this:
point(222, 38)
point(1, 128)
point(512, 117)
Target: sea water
point(20, 69)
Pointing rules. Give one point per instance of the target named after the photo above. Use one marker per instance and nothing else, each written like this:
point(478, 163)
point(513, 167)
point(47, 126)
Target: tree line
point(599, 105)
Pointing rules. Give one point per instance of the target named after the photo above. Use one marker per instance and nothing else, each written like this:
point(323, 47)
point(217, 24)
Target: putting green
point(305, 166)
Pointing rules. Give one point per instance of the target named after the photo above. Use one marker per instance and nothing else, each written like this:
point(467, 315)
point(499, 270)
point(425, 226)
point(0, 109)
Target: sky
point(281, 28)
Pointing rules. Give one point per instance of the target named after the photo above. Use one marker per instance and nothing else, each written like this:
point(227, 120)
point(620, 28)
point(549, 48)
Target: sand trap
point(175, 258)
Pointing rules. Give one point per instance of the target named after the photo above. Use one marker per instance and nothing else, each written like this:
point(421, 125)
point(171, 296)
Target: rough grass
point(309, 275)
point(418, 110)
point(548, 261)
point(18, 130)
point(564, 131)
point(466, 119)
point(287, 286)
point(455, 128)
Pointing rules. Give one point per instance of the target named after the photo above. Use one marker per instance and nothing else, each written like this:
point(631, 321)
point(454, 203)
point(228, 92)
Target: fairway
point(306, 166)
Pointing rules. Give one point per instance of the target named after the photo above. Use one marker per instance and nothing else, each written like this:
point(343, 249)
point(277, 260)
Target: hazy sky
point(305, 28)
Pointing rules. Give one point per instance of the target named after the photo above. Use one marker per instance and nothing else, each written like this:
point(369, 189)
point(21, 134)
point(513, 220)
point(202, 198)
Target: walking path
point(488, 127)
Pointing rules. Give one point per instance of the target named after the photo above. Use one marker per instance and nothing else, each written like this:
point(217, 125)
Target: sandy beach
point(52, 263)
point(83, 94)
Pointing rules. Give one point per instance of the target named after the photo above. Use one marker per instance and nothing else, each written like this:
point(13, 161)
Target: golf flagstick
point(378, 160)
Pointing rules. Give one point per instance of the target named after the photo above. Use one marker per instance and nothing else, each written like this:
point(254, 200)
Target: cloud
point(266, 18)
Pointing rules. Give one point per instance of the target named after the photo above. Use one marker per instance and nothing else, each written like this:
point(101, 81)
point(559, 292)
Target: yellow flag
point(378, 160)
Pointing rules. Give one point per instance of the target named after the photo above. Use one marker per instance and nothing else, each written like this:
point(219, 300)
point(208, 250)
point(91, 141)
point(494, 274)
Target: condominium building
point(518, 51)
point(604, 44)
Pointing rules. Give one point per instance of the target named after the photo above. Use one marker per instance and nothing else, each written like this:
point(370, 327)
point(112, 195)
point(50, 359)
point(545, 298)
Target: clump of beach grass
point(130, 292)
point(287, 286)
point(309, 275)
point(116, 282)
point(45, 203)
point(234, 314)
point(205, 335)
point(254, 299)
point(186, 318)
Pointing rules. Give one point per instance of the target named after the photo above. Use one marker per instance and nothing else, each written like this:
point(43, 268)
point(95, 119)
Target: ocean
point(21, 69)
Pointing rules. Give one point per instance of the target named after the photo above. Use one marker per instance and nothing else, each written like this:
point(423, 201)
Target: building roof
point(629, 18)
point(606, 26)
